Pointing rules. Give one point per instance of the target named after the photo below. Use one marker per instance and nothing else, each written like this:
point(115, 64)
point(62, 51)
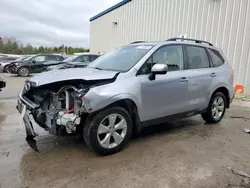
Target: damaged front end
point(56, 107)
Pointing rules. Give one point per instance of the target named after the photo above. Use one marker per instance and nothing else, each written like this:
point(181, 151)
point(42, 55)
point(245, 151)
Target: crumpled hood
point(71, 74)
point(6, 63)
point(13, 62)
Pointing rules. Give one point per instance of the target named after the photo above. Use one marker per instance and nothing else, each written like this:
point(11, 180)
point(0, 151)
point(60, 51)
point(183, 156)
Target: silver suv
point(121, 92)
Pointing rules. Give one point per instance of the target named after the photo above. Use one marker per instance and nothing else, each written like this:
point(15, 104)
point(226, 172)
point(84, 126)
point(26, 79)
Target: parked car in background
point(35, 64)
point(73, 62)
point(134, 86)
point(4, 59)
point(2, 55)
point(4, 66)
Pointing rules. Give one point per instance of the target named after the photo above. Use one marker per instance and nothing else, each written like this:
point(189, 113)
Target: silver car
point(134, 86)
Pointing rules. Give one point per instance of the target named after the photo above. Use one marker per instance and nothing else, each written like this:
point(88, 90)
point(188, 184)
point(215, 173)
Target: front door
point(37, 63)
point(167, 94)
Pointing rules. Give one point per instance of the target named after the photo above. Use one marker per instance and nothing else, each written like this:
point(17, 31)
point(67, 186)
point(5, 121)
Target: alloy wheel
point(218, 107)
point(24, 71)
point(112, 130)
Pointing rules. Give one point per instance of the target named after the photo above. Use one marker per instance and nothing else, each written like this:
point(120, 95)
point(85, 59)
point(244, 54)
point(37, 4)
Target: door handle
point(213, 74)
point(183, 79)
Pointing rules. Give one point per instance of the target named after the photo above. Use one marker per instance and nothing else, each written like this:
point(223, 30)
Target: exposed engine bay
point(60, 106)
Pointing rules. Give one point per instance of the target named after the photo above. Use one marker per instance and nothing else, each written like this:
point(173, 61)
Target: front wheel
point(23, 71)
point(108, 131)
point(216, 108)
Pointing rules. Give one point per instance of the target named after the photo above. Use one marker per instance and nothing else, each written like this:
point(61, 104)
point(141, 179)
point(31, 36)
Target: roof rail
point(136, 42)
point(194, 40)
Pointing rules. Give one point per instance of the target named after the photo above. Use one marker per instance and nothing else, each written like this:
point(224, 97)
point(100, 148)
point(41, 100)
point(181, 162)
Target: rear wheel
point(23, 71)
point(108, 131)
point(216, 108)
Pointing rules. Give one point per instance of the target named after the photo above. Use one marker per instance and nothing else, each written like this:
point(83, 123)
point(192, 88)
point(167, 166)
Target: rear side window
point(197, 57)
point(216, 57)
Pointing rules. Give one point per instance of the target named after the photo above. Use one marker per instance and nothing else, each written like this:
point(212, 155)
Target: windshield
point(70, 59)
point(22, 58)
point(29, 57)
point(121, 59)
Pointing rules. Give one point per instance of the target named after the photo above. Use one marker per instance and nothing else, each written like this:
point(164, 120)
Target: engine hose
point(71, 110)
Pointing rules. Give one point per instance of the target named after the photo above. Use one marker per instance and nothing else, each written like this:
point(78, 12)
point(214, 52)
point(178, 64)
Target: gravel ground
point(184, 153)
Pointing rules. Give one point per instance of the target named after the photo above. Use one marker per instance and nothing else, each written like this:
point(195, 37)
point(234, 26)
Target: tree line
point(12, 46)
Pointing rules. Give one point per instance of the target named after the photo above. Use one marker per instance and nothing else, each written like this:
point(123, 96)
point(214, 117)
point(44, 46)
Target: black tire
point(208, 116)
point(23, 71)
point(91, 127)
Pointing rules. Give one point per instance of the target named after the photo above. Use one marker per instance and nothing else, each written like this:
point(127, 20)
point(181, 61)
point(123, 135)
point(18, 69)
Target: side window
point(40, 58)
point(52, 58)
point(216, 57)
point(170, 55)
point(60, 58)
point(84, 58)
point(93, 57)
point(197, 57)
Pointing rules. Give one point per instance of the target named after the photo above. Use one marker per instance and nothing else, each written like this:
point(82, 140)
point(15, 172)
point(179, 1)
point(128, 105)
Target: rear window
point(216, 57)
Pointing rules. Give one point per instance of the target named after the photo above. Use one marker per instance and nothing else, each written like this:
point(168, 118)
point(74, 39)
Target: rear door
point(200, 75)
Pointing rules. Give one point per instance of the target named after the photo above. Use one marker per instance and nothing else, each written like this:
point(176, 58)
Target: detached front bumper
point(13, 69)
point(25, 115)
point(25, 111)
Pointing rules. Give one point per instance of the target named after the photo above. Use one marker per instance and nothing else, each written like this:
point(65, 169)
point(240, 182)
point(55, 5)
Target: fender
point(99, 102)
point(215, 87)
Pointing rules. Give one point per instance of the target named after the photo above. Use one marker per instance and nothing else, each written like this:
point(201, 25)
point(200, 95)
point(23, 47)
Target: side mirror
point(33, 61)
point(158, 69)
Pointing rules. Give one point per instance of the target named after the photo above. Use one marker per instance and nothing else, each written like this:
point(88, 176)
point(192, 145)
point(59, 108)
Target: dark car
point(35, 64)
point(4, 66)
point(73, 62)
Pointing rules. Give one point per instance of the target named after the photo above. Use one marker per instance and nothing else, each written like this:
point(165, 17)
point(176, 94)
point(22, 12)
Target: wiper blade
point(97, 68)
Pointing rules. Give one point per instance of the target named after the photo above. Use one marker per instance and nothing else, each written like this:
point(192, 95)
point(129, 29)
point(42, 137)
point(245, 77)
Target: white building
point(225, 23)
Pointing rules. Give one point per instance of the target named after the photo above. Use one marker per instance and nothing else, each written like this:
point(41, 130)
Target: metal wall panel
point(225, 23)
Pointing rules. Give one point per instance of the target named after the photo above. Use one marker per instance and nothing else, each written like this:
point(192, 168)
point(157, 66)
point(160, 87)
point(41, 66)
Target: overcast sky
point(50, 22)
